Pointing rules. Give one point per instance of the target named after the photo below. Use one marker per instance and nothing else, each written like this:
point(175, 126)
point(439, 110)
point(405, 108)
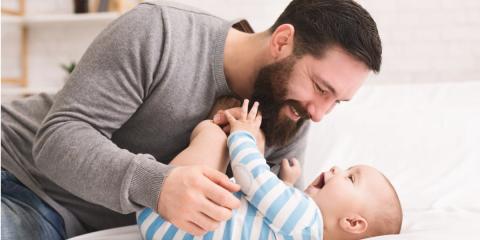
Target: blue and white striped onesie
point(269, 209)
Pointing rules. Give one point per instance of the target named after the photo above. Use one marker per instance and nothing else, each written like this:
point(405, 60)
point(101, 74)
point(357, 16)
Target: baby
point(339, 204)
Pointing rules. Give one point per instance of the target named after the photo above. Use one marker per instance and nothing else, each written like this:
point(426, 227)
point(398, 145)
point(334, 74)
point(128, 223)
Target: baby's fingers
point(258, 121)
point(285, 164)
point(253, 112)
point(294, 162)
point(229, 116)
point(243, 115)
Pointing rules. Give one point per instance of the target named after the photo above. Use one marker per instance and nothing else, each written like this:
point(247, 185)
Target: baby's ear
point(354, 224)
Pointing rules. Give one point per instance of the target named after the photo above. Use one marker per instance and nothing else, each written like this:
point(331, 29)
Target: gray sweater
point(97, 151)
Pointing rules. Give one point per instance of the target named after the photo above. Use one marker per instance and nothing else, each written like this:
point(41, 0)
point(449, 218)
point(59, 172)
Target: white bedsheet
point(424, 137)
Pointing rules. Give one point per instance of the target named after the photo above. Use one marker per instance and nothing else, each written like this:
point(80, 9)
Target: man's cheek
point(282, 114)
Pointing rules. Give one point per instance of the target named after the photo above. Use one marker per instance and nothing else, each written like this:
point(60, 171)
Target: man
point(96, 152)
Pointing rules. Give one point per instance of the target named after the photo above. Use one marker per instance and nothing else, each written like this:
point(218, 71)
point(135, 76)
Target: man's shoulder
point(177, 6)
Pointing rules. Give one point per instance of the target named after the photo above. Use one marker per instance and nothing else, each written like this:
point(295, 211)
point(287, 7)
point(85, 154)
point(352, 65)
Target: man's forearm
point(85, 163)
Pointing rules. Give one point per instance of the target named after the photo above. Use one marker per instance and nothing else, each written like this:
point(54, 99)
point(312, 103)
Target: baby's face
point(341, 192)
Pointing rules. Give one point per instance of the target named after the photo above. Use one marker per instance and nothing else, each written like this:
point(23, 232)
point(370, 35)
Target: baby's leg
point(208, 147)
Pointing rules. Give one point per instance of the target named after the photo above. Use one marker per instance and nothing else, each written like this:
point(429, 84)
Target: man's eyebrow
point(330, 88)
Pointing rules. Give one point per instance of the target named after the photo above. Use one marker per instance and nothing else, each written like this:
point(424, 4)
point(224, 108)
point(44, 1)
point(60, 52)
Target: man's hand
point(196, 199)
point(217, 112)
point(223, 103)
point(221, 119)
point(290, 171)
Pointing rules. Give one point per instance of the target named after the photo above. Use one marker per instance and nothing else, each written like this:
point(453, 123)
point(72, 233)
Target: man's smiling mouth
point(296, 115)
point(296, 111)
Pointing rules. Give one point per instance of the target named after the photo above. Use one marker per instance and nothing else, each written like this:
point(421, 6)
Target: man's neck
point(245, 54)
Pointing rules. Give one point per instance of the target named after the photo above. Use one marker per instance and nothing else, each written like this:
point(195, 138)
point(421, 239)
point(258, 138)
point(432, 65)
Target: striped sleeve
point(288, 211)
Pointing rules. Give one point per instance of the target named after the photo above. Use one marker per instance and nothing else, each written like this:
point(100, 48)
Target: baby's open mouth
point(320, 181)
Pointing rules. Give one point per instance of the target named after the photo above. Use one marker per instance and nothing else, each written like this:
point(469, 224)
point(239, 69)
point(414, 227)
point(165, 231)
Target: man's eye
point(323, 92)
point(319, 89)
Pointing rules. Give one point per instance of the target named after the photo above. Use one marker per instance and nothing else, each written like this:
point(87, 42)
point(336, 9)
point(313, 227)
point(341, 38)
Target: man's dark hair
point(320, 24)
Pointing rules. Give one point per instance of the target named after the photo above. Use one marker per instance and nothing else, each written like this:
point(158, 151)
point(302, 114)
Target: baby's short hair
point(388, 215)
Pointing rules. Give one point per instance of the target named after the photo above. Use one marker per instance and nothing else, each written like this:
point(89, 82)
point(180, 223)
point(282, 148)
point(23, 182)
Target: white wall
point(50, 43)
point(428, 40)
point(424, 41)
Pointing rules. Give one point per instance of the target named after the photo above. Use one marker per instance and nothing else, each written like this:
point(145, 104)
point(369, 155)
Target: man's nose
point(314, 114)
point(318, 110)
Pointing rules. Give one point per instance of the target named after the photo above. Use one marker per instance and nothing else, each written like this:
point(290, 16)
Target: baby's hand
point(248, 121)
point(290, 171)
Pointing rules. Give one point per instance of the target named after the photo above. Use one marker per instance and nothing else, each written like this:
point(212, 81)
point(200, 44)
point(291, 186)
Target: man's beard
point(270, 91)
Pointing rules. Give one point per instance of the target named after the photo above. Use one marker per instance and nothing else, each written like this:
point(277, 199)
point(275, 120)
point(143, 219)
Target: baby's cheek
point(334, 192)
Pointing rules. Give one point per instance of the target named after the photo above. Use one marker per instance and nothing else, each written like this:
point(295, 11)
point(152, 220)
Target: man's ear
point(281, 42)
point(355, 224)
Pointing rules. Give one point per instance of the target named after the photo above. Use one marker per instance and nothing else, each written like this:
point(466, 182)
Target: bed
point(424, 137)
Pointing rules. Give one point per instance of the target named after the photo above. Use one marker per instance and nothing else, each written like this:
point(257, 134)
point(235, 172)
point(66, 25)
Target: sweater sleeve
point(287, 210)
point(73, 146)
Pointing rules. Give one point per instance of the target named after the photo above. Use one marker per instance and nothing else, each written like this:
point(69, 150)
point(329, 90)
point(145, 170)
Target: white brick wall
point(424, 41)
point(428, 40)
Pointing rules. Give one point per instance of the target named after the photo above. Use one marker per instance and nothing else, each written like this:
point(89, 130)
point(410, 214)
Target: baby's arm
point(287, 210)
point(208, 147)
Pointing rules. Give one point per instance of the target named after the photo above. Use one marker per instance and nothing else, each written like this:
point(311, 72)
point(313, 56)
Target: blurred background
point(424, 41)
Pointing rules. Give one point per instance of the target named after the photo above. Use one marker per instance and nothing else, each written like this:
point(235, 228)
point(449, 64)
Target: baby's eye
point(351, 178)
